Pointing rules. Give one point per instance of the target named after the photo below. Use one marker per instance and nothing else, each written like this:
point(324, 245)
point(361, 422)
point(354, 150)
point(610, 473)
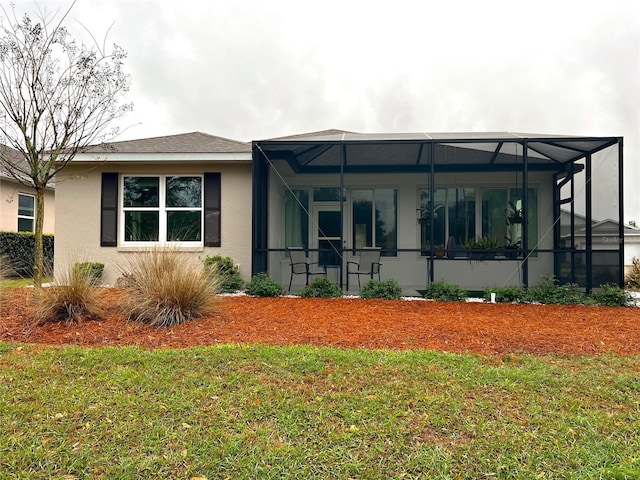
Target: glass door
point(326, 234)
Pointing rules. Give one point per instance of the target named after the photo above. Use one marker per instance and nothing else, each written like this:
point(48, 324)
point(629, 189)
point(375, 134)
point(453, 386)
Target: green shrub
point(262, 285)
point(445, 292)
point(549, 292)
point(385, 289)
point(509, 294)
point(322, 287)
point(18, 248)
point(612, 296)
point(93, 269)
point(227, 272)
point(164, 287)
point(73, 298)
point(5, 273)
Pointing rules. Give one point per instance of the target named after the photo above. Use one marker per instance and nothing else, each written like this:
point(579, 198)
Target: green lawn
point(302, 412)
point(21, 282)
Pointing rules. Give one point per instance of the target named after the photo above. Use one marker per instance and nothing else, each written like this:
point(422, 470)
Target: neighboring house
point(604, 234)
point(18, 202)
point(190, 191)
point(337, 193)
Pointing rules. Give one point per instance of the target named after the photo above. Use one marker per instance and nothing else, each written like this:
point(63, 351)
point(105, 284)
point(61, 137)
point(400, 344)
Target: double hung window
point(162, 208)
point(26, 212)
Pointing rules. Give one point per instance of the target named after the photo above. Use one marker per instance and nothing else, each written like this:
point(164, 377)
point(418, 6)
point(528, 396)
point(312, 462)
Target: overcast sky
point(250, 70)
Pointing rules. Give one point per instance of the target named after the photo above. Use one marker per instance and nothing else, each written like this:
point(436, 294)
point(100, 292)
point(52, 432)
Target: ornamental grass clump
point(164, 287)
point(632, 279)
point(72, 298)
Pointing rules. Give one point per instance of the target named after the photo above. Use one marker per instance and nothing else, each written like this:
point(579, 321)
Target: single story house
point(18, 201)
point(192, 191)
point(424, 201)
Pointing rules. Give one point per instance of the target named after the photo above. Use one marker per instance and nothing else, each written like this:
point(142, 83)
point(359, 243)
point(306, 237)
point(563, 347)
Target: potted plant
point(481, 248)
point(439, 251)
point(424, 214)
point(514, 214)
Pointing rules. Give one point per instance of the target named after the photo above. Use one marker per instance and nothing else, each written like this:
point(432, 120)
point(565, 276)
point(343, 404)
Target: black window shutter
point(212, 201)
point(109, 210)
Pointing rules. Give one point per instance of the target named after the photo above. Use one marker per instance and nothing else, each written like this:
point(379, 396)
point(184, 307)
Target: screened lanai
point(476, 209)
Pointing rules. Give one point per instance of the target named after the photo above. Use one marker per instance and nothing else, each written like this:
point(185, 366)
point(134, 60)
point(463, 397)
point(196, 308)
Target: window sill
point(146, 248)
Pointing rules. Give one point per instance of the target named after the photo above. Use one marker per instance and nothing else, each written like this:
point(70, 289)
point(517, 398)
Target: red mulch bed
point(351, 323)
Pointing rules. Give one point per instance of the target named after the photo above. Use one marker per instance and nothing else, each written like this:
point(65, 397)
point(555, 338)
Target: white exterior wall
point(9, 191)
point(78, 219)
point(409, 267)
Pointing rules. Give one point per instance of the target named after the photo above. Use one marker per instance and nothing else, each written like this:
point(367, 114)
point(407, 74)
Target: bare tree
point(57, 96)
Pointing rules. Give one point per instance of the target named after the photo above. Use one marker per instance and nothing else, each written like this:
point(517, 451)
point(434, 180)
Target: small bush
point(445, 292)
point(612, 296)
point(164, 287)
point(227, 272)
point(262, 285)
point(549, 292)
point(72, 299)
point(322, 287)
point(505, 294)
point(385, 289)
point(93, 269)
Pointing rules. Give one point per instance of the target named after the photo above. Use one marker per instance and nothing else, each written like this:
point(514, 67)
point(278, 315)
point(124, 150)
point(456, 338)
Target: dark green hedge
point(18, 248)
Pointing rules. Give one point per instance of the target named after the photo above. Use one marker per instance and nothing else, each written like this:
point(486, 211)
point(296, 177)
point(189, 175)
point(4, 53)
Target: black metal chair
point(369, 264)
point(300, 265)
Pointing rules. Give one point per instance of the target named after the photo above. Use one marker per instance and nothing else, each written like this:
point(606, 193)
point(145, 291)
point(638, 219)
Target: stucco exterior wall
point(9, 191)
point(411, 267)
point(78, 218)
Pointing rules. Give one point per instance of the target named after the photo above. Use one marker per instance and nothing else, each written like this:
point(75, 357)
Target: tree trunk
point(38, 264)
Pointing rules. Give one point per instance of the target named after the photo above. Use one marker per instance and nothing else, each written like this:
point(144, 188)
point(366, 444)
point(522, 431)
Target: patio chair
point(369, 265)
point(300, 265)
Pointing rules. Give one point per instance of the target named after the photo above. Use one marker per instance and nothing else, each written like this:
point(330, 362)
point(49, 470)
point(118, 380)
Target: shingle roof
point(194, 142)
point(12, 155)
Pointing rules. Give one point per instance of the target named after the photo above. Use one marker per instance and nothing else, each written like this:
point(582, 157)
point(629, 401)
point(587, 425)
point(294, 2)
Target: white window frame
point(162, 210)
point(27, 217)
